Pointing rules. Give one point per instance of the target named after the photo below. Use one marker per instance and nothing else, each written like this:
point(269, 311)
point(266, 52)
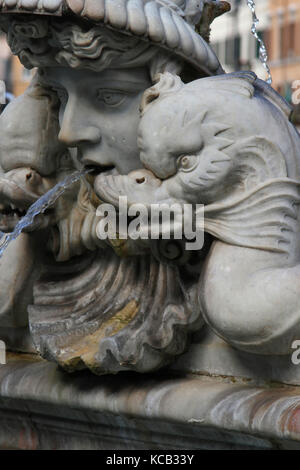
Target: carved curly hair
point(53, 42)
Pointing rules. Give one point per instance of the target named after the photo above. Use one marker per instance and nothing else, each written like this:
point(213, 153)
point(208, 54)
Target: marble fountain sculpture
point(132, 90)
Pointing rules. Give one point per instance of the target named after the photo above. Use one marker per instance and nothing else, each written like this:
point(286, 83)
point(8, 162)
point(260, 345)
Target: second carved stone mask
point(32, 159)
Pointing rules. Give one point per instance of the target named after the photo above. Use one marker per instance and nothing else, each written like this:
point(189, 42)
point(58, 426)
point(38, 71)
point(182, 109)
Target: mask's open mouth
point(12, 211)
point(10, 216)
point(95, 170)
point(19, 189)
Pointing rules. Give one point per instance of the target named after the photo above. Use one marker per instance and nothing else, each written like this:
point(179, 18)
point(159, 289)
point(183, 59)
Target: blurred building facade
point(279, 27)
point(5, 63)
point(284, 47)
point(16, 77)
point(232, 40)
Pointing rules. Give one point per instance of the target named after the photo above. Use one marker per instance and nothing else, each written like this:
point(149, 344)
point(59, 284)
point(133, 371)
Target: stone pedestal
point(210, 355)
point(41, 407)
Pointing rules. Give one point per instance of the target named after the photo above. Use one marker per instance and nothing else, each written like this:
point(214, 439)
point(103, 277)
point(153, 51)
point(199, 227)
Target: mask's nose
point(76, 127)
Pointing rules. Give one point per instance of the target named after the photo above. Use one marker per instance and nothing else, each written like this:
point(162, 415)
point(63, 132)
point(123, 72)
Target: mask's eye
point(187, 162)
point(111, 97)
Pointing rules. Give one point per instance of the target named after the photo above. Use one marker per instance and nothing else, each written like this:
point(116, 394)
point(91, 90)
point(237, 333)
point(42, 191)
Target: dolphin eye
point(187, 162)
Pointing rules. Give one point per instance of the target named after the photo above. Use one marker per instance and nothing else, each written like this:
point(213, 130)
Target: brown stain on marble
point(85, 350)
point(28, 439)
point(267, 401)
point(293, 422)
point(119, 246)
point(290, 419)
point(92, 196)
point(12, 356)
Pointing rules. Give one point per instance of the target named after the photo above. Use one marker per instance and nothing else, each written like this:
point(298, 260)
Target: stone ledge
point(41, 407)
point(210, 355)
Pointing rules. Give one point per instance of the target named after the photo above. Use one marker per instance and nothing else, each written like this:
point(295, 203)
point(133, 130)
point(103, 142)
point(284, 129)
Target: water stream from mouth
point(40, 206)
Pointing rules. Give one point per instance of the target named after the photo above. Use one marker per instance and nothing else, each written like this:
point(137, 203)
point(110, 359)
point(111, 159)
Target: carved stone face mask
point(32, 159)
point(99, 114)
